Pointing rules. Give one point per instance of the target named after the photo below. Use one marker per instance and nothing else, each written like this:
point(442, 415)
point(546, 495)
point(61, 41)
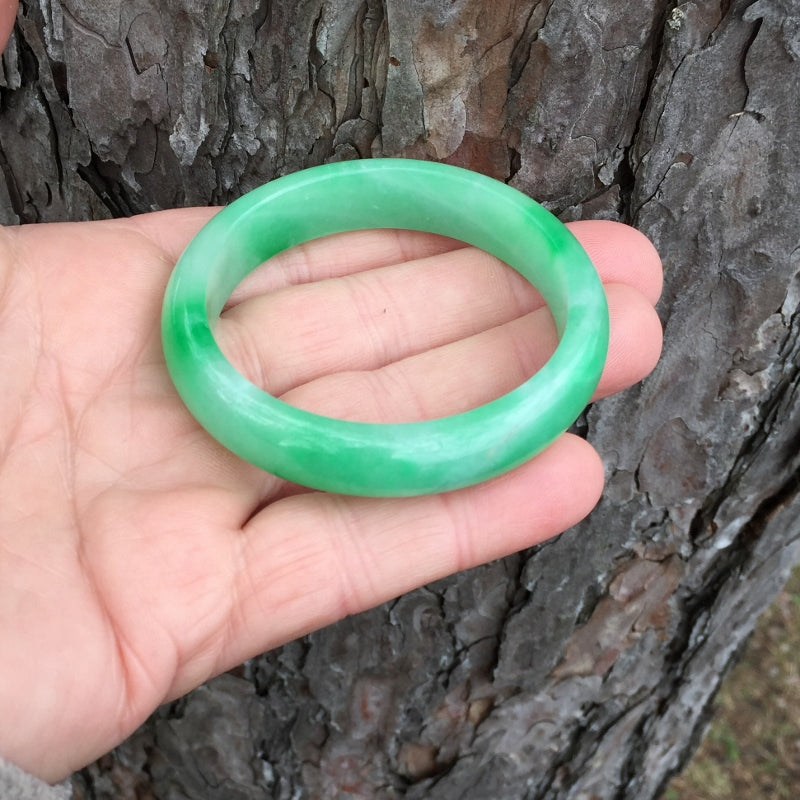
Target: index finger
point(620, 253)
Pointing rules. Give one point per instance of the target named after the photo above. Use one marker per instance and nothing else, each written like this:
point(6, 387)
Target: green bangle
point(390, 460)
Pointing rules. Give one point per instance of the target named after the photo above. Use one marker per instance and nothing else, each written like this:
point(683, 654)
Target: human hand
point(138, 557)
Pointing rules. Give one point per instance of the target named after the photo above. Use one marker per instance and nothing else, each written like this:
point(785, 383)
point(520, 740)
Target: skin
point(138, 558)
point(8, 10)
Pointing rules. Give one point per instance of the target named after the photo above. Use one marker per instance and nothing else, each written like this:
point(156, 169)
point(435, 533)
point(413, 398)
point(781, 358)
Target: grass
point(752, 749)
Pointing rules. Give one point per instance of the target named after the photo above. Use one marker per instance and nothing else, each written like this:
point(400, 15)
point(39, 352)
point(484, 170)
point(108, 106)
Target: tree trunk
point(583, 668)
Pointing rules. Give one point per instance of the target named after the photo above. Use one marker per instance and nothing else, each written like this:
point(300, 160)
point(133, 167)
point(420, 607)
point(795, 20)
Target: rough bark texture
point(582, 669)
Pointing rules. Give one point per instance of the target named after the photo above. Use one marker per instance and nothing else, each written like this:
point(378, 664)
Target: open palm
point(138, 557)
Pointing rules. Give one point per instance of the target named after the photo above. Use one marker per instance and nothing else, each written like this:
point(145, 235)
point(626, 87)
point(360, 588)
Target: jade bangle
point(390, 460)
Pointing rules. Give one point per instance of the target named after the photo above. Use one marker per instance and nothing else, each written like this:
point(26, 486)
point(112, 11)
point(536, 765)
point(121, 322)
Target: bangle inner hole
point(386, 327)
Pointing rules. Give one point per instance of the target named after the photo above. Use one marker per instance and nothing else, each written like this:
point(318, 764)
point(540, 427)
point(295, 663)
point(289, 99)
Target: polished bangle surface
point(399, 459)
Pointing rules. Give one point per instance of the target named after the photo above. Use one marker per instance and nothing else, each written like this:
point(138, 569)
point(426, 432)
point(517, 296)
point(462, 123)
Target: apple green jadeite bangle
point(390, 460)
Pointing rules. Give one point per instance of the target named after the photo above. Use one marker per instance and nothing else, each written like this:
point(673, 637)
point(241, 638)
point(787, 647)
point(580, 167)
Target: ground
point(752, 749)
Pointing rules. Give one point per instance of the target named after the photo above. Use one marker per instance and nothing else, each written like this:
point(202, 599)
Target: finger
point(365, 321)
point(472, 371)
point(476, 370)
point(309, 560)
point(8, 10)
point(338, 255)
point(635, 341)
point(621, 254)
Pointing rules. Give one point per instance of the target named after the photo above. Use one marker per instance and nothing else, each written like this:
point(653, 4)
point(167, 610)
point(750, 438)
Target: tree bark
point(585, 667)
